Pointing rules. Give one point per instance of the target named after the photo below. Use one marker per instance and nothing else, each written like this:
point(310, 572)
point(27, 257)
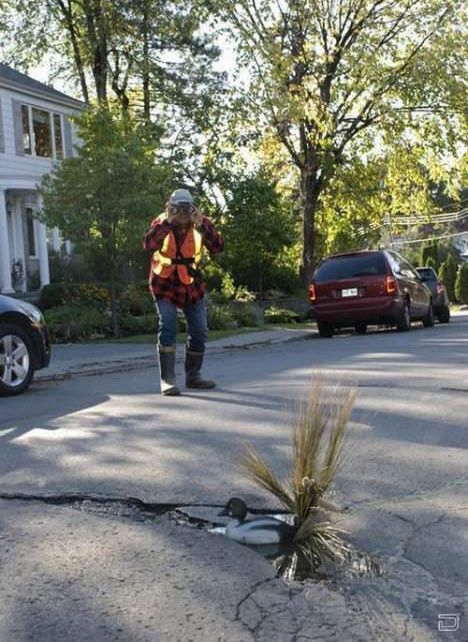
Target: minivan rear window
point(427, 274)
point(346, 267)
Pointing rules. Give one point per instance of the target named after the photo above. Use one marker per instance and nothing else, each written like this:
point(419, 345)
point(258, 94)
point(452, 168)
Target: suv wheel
point(428, 320)
point(325, 329)
point(361, 328)
point(404, 320)
point(444, 315)
point(16, 360)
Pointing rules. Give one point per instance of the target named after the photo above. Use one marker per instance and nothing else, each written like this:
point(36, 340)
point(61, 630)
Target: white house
point(35, 133)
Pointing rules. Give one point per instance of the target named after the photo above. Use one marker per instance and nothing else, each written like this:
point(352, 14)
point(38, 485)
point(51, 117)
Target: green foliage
point(448, 274)
point(431, 262)
point(281, 315)
point(461, 284)
point(77, 322)
point(57, 294)
point(103, 198)
point(134, 325)
point(69, 269)
point(257, 227)
point(375, 89)
point(245, 314)
point(430, 255)
point(52, 295)
point(220, 317)
point(136, 299)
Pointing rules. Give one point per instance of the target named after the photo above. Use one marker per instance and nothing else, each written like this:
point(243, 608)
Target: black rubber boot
point(193, 378)
point(167, 370)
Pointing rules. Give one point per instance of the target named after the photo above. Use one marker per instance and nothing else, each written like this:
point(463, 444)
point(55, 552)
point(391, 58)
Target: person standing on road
point(177, 239)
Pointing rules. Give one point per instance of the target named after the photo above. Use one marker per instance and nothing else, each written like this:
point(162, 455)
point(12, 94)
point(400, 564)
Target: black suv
point(24, 344)
point(440, 300)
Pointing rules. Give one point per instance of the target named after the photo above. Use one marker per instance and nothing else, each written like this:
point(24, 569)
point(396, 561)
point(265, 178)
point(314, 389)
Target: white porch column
point(5, 259)
point(42, 250)
point(20, 253)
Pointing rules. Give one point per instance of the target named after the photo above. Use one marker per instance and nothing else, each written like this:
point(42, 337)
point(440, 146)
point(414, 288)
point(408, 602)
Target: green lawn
point(216, 334)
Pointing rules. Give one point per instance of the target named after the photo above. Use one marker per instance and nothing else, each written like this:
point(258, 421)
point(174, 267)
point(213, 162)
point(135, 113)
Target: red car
point(371, 287)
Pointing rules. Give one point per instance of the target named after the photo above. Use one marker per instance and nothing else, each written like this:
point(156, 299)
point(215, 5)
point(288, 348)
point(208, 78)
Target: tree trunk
point(311, 187)
point(114, 319)
point(67, 13)
point(97, 37)
point(145, 69)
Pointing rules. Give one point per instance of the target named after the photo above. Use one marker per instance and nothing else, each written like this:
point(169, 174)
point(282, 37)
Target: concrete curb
point(142, 362)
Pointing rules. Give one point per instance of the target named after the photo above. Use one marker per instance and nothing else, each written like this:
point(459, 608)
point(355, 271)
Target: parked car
point(440, 300)
point(369, 287)
point(24, 344)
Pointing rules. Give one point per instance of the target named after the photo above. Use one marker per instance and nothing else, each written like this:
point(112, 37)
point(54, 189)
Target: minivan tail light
point(312, 293)
point(390, 285)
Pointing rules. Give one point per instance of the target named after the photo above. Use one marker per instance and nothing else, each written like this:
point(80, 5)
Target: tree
point(103, 198)
point(257, 227)
point(141, 52)
point(430, 255)
point(448, 274)
point(336, 81)
point(461, 284)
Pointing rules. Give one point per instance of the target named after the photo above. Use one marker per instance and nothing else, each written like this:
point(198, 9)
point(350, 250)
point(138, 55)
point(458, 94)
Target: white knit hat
point(180, 196)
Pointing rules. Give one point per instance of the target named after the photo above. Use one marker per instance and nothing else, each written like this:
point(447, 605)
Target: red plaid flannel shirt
point(172, 289)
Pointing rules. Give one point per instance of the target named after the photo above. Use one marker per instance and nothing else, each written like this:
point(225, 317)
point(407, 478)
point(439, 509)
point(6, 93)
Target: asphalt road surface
point(405, 477)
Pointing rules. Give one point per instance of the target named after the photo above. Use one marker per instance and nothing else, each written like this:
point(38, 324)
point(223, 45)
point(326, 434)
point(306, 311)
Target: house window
point(58, 136)
point(26, 130)
point(31, 232)
point(42, 133)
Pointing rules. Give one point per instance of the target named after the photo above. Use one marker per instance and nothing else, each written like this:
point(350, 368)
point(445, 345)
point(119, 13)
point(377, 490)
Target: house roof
point(21, 82)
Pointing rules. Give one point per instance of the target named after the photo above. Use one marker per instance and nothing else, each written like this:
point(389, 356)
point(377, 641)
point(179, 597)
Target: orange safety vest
point(185, 261)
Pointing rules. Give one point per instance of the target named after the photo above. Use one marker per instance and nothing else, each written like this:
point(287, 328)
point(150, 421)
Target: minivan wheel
point(404, 320)
point(361, 328)
point(325, 329)
point(16, 360)
point(428, 320)
point(444, 315)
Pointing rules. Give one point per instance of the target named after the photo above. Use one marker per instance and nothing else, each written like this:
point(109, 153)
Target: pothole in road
point(288, 560)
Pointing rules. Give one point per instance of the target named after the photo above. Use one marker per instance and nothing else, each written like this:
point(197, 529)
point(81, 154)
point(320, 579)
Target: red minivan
point(370, 287)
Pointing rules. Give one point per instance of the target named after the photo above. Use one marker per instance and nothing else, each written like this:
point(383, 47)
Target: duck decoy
point(258, 530)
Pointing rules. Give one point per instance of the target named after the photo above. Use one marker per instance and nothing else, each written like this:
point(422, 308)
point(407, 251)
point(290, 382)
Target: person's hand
point(171, 213)
point(197, 218)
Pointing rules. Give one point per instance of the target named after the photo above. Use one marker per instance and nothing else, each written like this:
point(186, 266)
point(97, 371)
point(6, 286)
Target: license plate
point(349, 292)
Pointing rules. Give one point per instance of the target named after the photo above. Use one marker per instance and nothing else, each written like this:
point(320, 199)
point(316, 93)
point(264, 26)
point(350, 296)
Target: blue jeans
point(195, 314)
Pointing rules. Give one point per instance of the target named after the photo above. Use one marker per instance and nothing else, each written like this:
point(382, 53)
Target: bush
point(89, 293)
point(245, 314)
point(220, 318)
point(448, 274)
point(143, 324)
point(58, 294)
point(461, 285)
point(213, 275)
point(74, 322)
point(281, 315)
point(136, 300)
point(53, 295)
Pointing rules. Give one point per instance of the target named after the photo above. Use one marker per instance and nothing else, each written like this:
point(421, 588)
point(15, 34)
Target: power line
point(433, 238)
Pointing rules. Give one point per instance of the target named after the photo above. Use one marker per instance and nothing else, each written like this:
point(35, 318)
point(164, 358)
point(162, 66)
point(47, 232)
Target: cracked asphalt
point(81, 575)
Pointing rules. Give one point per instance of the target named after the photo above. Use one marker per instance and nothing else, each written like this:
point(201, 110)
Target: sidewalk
point(75, 359)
